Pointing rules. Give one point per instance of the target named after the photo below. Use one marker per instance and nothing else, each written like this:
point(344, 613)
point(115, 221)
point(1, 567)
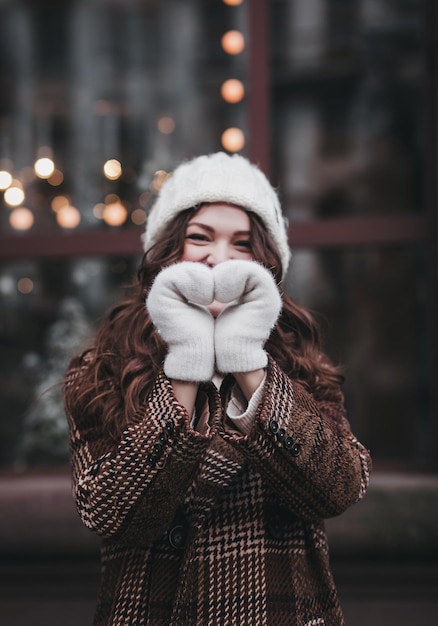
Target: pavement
point(384, 553)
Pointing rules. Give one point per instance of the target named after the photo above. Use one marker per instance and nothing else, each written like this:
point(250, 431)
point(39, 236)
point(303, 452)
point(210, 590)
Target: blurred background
point(338, 103)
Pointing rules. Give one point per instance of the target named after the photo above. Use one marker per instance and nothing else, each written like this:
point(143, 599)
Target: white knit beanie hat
point(218, 177)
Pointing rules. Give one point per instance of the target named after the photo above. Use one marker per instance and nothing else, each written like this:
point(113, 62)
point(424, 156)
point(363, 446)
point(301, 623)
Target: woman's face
point(216, 233)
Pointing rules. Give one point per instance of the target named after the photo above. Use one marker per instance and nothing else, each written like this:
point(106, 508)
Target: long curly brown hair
point(127, 354)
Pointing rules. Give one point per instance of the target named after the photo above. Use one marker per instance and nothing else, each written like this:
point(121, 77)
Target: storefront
point(336, 101)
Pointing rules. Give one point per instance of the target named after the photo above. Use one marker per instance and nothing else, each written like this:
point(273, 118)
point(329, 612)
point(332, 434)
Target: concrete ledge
point(397, 519)
point(38, 517)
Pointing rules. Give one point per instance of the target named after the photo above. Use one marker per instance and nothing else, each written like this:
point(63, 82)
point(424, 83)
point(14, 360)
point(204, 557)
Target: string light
point(21, 219)
point(233, 42)
point(233, 139)
point(68, 216)
point(98, 210)
point(44, 167)
point(112, 169)
point(166, 125)
point(138, 217)
point(25, 285)
point(159, 177)
point(232, 3)
point(58, 202)
point(14, 195)
point(232, 90)
point(5, 179)
point(115, 213)
point(56, 178)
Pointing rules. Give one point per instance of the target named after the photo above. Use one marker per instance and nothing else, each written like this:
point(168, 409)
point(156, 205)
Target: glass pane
point(49, 311)
point(134, 83)
point(370, 303)
point(347, 106)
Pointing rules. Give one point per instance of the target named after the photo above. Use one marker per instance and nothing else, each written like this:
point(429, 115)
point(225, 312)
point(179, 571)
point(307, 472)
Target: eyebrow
point(211, 230)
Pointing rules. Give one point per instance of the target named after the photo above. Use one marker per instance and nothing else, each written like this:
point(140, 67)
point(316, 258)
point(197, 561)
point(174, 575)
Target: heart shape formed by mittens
point(253, 304)
point(236, 279)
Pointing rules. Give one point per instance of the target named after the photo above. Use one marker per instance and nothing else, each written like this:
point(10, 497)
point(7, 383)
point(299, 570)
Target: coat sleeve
point(305, 449)
point(130, 490)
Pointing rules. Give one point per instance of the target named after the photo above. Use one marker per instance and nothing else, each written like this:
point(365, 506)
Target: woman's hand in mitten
point(176, 304)
point(245, 324)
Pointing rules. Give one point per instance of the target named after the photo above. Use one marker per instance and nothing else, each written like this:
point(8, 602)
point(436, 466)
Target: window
point(328, 98)
point(348, 153)
point(110, 95)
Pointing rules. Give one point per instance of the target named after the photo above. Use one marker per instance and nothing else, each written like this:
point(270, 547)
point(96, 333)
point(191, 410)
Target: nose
point(218, 253)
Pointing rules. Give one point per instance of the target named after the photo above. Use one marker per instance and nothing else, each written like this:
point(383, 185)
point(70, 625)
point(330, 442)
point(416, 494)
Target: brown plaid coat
point(216, 530)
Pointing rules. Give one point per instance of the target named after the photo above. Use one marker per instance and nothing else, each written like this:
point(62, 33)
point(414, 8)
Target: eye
point(197, 237)
point(243, 243)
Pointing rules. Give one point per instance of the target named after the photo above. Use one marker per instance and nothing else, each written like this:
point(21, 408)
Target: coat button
point(177, 537)
point(169, 427)
point(273, 427)
point(296, 449)
point(281, 435)
point(288, 443)
point(152, 459)
point(163, 437)
point(157, 449)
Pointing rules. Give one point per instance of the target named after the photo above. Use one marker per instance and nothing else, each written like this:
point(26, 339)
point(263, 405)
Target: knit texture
point(243, 326)
point(250, 508)
point(176, 304)
point(218, 178)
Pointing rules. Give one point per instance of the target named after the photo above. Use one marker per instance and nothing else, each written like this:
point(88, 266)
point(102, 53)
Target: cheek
point(190, 253)
point(247, 256)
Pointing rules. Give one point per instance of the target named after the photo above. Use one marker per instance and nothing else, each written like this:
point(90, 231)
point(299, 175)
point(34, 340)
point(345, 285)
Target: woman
point(208, 433)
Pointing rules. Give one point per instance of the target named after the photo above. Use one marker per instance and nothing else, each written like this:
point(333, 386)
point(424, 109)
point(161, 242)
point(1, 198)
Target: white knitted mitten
point(176, 304)
point(243, 326)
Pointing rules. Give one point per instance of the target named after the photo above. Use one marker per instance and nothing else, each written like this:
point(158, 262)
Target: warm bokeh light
point(159, 177)
point(68, 216)
point(5, 179)
point(232, 90)
point(144, 198)
point(58, 202)
point(166, 125)
point(25, 285)
point(115, 214)
point(111, 197)
point(14, 195)
point(138, 216)
point(56, 178)
point(232, 3)
point(112, 169)
point(98, 210)
point(44, 167)
point(233, 42)
point(21, 219)
point(233, 139)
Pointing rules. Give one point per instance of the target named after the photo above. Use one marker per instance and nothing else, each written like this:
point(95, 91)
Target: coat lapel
point(221, 466)
point(218, 471)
